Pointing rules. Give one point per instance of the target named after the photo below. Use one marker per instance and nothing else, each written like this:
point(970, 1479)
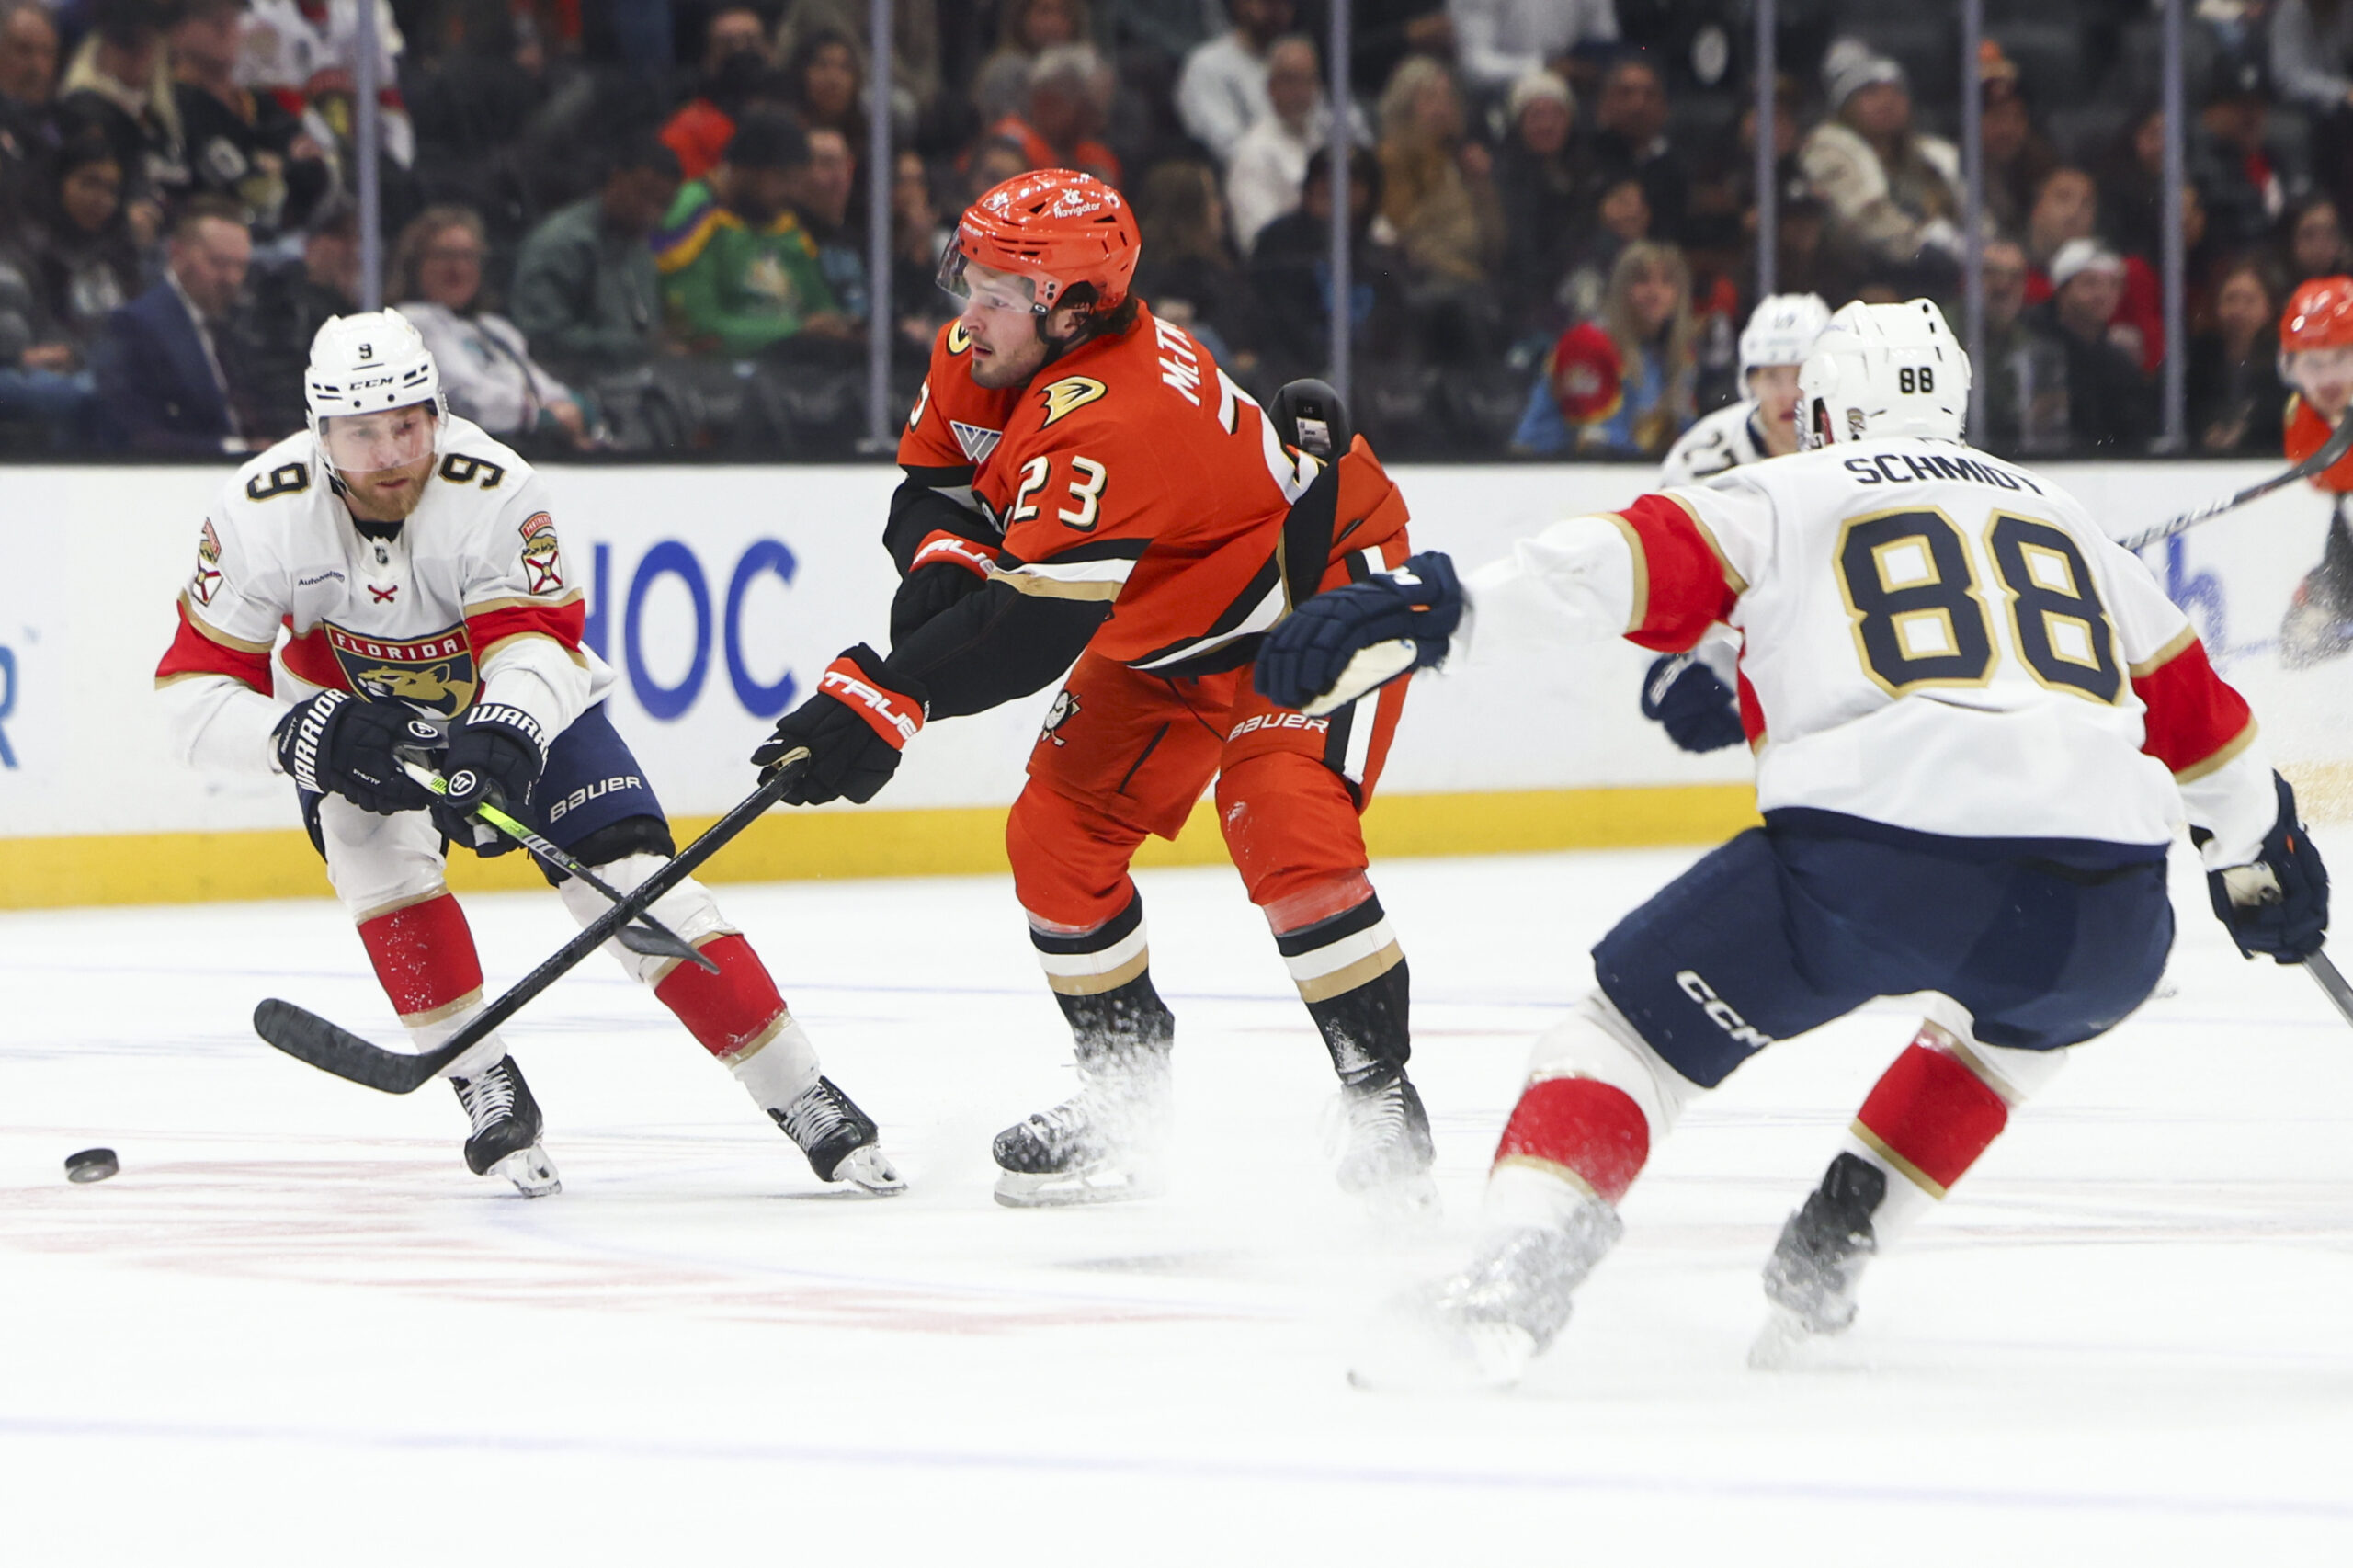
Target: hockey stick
point(645, 935)
point(2339, 442)
point(306, 1037)
point(2325, 975)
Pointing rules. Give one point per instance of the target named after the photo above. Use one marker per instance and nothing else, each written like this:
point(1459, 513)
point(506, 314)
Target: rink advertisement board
point(718, 594)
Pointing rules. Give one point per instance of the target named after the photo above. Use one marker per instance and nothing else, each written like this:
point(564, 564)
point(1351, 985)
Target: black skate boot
point(1482, 1327)
point(1103, 1144)
point(840, 1139)
point(1817, 1265)
point(506, 1140)
point(1384, 1144)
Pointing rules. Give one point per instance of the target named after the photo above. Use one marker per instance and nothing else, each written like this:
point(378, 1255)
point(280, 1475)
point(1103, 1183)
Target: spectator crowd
point(642, 225)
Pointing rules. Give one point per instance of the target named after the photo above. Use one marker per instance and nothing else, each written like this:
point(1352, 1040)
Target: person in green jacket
point(586, 293)
point(739, 271)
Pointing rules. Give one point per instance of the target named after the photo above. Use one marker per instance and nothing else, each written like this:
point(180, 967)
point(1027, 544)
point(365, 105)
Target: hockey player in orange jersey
point(1084, 482)
point(2317, 360)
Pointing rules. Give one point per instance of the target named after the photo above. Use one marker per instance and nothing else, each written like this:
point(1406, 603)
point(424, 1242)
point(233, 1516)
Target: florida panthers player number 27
point(413, 565)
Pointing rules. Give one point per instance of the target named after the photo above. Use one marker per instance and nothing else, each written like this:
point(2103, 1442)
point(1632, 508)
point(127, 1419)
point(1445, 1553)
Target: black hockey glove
point(340, 745)
point(1303, 663)
point(947, 567)
point(1692, 704)
point(863, 714)
point(496, 753)
point(2285, 913)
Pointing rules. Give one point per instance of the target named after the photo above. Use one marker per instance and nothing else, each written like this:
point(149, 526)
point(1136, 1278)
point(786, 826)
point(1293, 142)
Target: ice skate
point(506, 1139)
point(1105, 1145)
point(1817, 1265)
point(1480, 1328)
point(1385, 1152)
point(840, 1139)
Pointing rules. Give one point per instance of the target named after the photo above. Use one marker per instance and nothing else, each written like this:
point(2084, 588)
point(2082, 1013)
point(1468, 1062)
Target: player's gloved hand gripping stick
point(645, 935)
point(309, 1037)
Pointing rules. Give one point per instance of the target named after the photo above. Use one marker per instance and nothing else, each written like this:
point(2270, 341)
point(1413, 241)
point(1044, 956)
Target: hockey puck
point(91, 1165)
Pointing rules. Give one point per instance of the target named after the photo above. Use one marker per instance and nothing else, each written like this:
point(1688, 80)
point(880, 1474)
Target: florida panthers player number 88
point(414, 565)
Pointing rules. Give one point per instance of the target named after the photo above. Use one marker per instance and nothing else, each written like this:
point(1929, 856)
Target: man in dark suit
point(172, 372)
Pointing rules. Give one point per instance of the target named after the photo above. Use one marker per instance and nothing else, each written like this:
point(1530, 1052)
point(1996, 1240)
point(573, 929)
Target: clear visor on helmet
point(985, 286)
point(367, 443)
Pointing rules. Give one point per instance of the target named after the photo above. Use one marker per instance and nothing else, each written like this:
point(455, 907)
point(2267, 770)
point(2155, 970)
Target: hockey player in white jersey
point(413, 563)
point(1689, 694)
point(1978, 722)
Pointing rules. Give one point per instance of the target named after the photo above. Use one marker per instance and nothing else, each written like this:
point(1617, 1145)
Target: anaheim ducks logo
point(207, 581)
point(542, 560)
point(1071, 392)
point(958, 341)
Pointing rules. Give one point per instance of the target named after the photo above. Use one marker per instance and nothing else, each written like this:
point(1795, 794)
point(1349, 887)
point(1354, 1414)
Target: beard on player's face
point(387, 494)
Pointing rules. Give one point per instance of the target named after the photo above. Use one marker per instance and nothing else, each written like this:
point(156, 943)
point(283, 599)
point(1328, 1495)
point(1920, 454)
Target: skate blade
point(1412, 1205)
point(869, 1169)
point(1071, 1189)
point(532, 1171)
point(1788, 1342)
point(1408, 1347)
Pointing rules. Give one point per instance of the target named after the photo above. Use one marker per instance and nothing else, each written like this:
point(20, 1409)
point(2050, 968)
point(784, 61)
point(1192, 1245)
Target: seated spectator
point(120, 83)
point(739, 271)
point(1223, 91)
point(820, 198)
point(29, 133)
point(293, 302)
point(2111, 406)
point(587, 294)
point(1291, 275)
point(2237, 398)
point(825, 77)
point(2315, 244)
point(1619, 217)
point(1500, 42)
point(306, 54)
point(1629, 118)
point(1068, 101)
point(1893, 194)
point(2066, 209)
point(1621, 384)
point(915, 31)
point(738, 70)
point(487, 371)
point(1269, 163)
point(81, 239)
point(1541, 185)
point(2311, 68)
point(2024, 371)
point(1441, 191)
point(241, 144)
point(919, 238)
point(991, 162)
point(2244, 175)
point(2016, 155)
point(1026, 30)
point(43, 387)
point(1187, 274)
point(173, 370)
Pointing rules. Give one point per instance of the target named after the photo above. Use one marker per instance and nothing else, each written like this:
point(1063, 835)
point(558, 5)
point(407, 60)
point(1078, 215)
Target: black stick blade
point(306, 1037)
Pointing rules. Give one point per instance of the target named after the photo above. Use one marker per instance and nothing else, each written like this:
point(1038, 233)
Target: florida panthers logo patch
point(207, 581)
point(433, 673)
point(543, 563)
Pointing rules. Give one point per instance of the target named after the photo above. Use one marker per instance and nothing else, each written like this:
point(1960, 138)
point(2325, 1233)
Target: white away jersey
point(1724, 439)
point(1935, 639)
point(471, 597)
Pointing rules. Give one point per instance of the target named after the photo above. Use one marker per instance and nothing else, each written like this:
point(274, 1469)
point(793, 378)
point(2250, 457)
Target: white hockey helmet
point(1781, 331)
point(1883, 371)
point(367, 364)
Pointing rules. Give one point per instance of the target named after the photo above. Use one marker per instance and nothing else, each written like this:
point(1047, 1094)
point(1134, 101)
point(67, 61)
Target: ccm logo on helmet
point(1720, 1012)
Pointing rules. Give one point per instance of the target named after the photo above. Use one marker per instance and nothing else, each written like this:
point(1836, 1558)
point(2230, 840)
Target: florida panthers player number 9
point(414, 564)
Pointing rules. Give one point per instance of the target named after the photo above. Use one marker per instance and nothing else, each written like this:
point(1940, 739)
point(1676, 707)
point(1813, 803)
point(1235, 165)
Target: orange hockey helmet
point(2319, 315)
point(1056, 227)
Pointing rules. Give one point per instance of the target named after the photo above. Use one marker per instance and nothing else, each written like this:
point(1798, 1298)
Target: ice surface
point(294, 1329)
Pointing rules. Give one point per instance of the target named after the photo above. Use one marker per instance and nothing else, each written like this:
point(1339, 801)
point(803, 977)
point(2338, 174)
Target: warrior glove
point(336, 743)
point(2279, 904)
point(1347, 641)
point(947, 566)
point(496, 753)
point(1692, 704)
point(862, 715)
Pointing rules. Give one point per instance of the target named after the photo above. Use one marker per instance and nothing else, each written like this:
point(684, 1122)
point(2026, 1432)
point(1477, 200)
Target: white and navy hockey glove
point(2279, 904)
point(336, 743)
point(1347, 641)
point(496, 753)
point(1691, 703)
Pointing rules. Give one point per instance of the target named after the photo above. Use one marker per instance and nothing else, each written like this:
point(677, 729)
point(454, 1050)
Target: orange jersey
point(2307, 433)
point(1133, 471)
point(955, 423)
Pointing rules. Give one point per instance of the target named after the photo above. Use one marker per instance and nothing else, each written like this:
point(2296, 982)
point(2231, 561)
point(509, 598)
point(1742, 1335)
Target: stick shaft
point(2331, 984)
point(2340, 441)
